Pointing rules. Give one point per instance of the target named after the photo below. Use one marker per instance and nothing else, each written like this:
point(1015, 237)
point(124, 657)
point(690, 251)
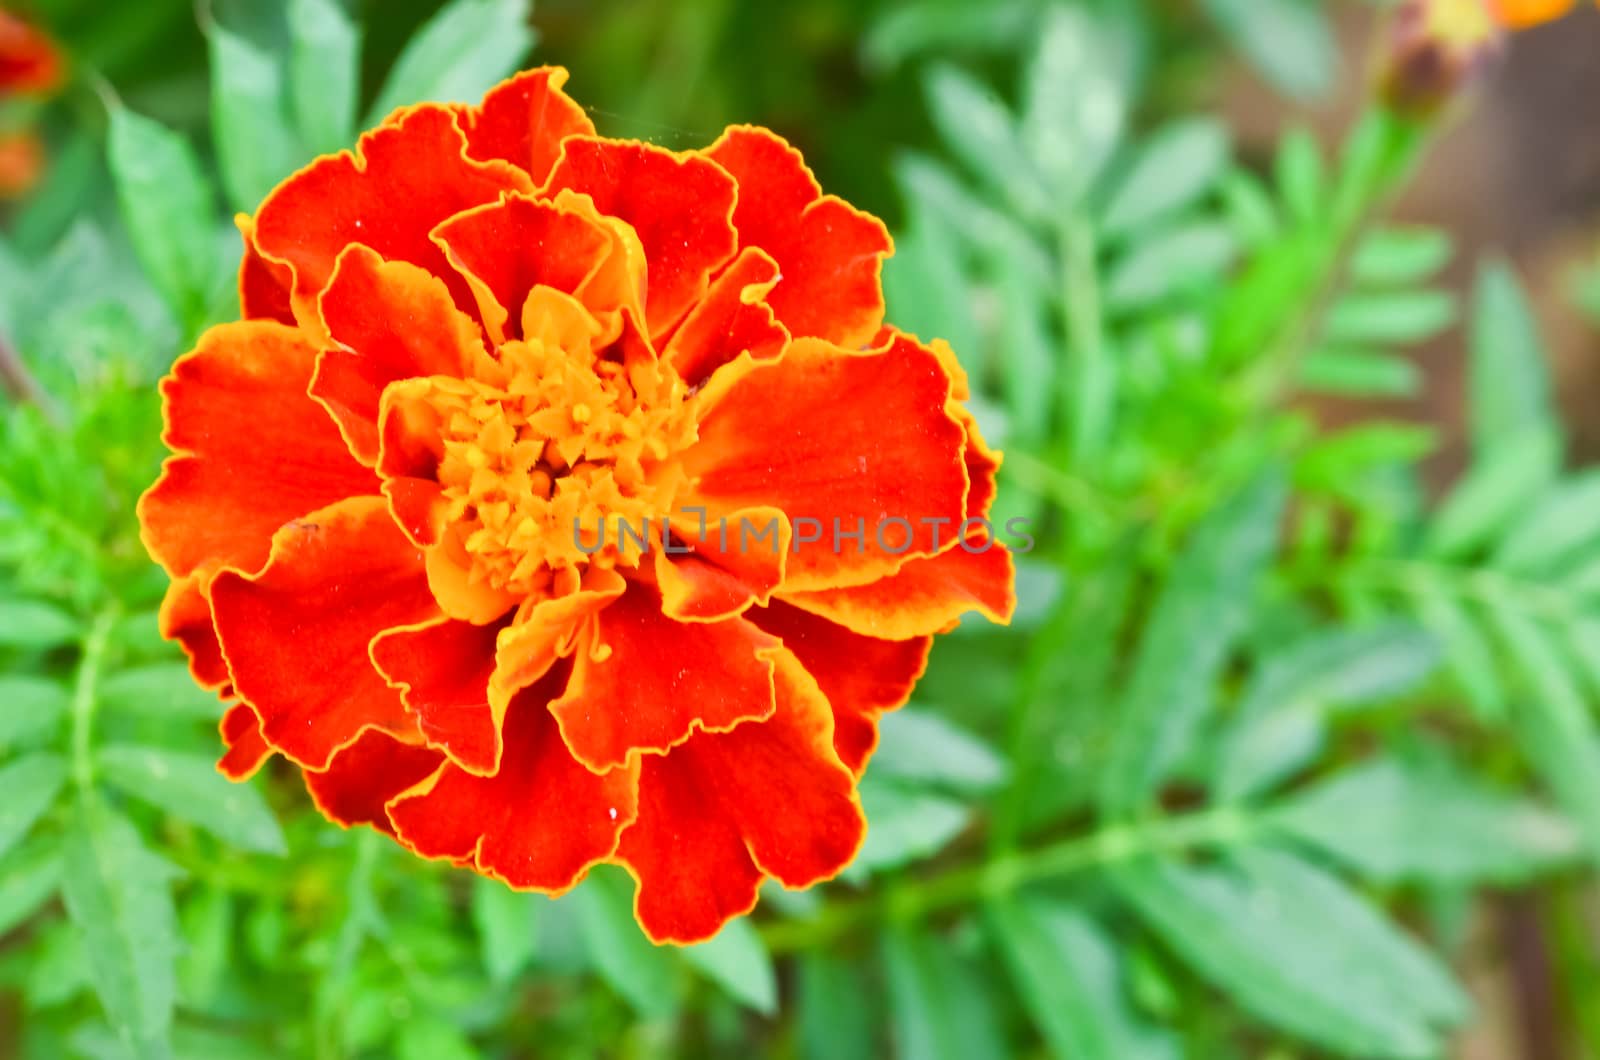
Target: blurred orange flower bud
point(21, 163)
point(29, 59)
point(1521, 14)
point(1437, 50)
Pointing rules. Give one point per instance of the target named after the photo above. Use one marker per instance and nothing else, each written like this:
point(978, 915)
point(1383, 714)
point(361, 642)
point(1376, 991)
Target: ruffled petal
point(807, 434)
point(719, 811)
point(862, 676)
point(296, 634)
point(264, 286)
point(523, 121)
point(681, 206)
point(924, 596)
point(406, 176)
point(642, 681)
point(253, 450)
point(545, 631)
point(365, 775)
point(442, 669)
point(732, 318)
point(830, 254)
point(185, 617)
point(389, 321)
point(539, 823)
point(247, 750)
point(717, 565)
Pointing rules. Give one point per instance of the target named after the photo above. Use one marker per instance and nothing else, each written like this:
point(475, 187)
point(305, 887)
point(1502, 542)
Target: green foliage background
point(1273, 722)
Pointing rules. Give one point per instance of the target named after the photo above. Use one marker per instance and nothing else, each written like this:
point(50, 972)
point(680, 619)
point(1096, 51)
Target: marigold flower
point(488, 327)
point(29, 61)
point(1523, 14)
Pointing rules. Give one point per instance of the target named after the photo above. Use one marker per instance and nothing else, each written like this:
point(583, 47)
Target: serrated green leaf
point(1509, 383)
point(920, 747)
point(1295, 947)
point(159, 690)
point(1068, 973)
point(167, 206)
point(1166, 263)
point(34, 706)
point(980, 130)
point(1171, 171)
point(31, 784)
point(1563, 521)
point(1200, 612)
point(1075, 100)
point(117, 893)
point(736, 960)
point(835, 1010)
point(1394, 821)
point(1499, 488)
point(35, 625)
point(465, 49)
point(324, 73)
point(188, 787)
point(249, 119)
point(507, 924)
point(643, 974)
point(939, 1009)
point(1396, 257)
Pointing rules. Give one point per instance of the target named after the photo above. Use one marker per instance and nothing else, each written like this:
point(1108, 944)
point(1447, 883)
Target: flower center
point(549, 455)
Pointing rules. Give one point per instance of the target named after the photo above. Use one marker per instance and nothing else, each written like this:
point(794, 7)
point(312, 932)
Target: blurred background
point(1291, 751)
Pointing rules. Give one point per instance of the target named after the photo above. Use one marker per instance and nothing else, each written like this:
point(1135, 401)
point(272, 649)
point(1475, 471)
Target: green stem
point(1004, 875)
point(85, 697)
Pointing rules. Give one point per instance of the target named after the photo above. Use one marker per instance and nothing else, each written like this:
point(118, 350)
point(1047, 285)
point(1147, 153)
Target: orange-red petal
point(253, 450)
point(29, 60)
point(247, 749)
point(723, 809)
point(365, 775)
point(643, 682)
point(836, 439)
point(389, 320)
point(264, 286)
point(296, 635)
point(732, 318)
point(679, 205)
point(538, 823)
point(1524, 14)
point(831, 254)
point(861, 676)
point(185, 617)
point(523, 121)
point(442, 669)
point(719, 564)
point(407, 175)
point(924, 596)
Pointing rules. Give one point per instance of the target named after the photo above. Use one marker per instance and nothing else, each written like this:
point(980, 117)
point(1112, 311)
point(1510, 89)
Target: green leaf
point(324, 73)
point(464, 50)
point(35, 625)
point(1289, 41)
point(432, 1038)
point(31, 876)
point(835, 1010)
point(935, 193)
point(1360, 373)
point(1075, 100)
point(117, 893)
point(1501, 486)
point(643, 974)
point(907, 825)
point(1467, 648)
point(1398, 318)
point(1170, 172)
point(1163, 264)
point(507, 926)
point(921, 747)
point(1068, 974)
point(736, 960)
point(249, 121)
point(1279, 725)
point(31, 784)
point(207, 921)
point(1200, 612)
point(1393, 821)
point(1029, 383)
point(188, 787)
point(1397, 257)
point(33, 708)
point(1509, 384)
point(939, 1009)
point(1296, 948)
point(159, 690)
point(1564, 521)
point(167, 206)
point(980, 131)
point(1300, 174)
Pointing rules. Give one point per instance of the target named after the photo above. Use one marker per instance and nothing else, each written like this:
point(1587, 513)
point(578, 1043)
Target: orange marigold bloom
point(1522, 14)
point(29, 61)
point(477, 353)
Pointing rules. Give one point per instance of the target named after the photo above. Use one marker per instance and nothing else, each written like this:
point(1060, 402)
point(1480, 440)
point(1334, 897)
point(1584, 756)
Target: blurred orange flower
point(480, 356)
point(29, 61)
point(21, 163)
point(1521, 14)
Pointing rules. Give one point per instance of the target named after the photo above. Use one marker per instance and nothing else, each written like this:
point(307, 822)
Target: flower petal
point(523, 120)
point(407, 175)
point(296, 634)
point(806, 434)
point(925, 596)
point(247, 750)
point(722, 809)
point(732, 318)
point(1525, 14)
point(254, 450)
point(264, 285)
point(29, 60)
point(718, 564)
point(643, 682)
point(442, 669)
point(862, 676)
point(830, 254)
point(185, 617)
point(365, 775)
point(538, 823)
point(389, 320)
point(681, 206)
